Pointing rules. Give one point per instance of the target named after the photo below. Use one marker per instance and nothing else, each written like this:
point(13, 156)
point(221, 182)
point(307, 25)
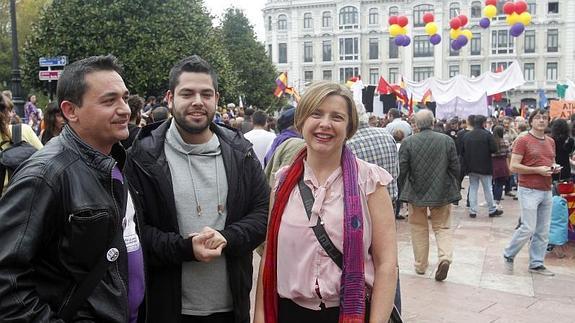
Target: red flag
point(411, 105)
point(426, 96)
point(383, 87)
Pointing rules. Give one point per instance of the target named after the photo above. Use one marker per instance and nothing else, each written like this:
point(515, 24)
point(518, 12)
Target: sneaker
point(442, 269)
point(399, 217)
point(419, 271)
point(472, 215)
point(510, 194)
point(496, 214)
point(482, 204)
point(541, 270)
point(508, 262)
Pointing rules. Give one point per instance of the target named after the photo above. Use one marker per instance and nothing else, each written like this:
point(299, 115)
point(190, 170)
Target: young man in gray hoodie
point(204, 201)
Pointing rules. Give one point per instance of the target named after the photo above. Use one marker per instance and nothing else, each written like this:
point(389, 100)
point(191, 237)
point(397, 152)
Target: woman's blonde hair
point(314, 97)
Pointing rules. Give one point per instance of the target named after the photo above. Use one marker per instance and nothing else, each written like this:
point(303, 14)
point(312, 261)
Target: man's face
point(103, 118)
point(194, 102)
point(540, 122)
point(506, 123)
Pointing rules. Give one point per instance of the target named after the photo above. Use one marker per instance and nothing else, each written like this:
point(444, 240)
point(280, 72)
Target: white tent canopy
point(465, 88)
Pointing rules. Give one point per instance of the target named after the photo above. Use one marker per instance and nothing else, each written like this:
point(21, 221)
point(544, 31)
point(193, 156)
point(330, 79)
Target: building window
point(373, 16)
point(393, 11)
point(282, 53)
point(529, 71)
point(476, 9)
point(501, 42)
point(392, 75)
point(270, 23)
point(551, 72)
point(476, 44)
point(422, 47)
point(373, 76)
point(307, 21)
point(422, 73)
point(346, 73)
point(530, 41)
point(326, 75)
point(552, 40)
point(282, 22)
point(308, 76)
point(307, 52)
point(499, 66)
point(453, 70)
point(270, 50)
point(454, 10)
point(326, 50)
point(373, 48)
point(532, 7)
point(348, 18)
point(418, 12)
point(348, 49)
point(474, 70)
point(553, 7)
point(393, 49)
point(326, 19)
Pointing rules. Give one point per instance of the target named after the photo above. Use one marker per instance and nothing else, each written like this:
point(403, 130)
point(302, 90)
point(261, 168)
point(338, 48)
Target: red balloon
point(455, 23)
point(490, 2)
point(402, 21)
point(392, 20)
point(520, 7)
point(463, 20)
point(428, 17)
point(509, 8)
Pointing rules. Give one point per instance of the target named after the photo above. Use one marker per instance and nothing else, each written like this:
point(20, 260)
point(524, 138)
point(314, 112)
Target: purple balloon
point(462, 40)
point(484, 22)
point(517, 29)
point(399, 40)
point(455, 45)
point(435, 39)
point(406, 41)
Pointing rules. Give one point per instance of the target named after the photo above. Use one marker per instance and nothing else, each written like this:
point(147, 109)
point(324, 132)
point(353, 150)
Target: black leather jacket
point(57, 219)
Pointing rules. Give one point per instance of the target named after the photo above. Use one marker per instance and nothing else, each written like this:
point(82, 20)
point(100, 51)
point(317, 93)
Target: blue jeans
point(485, 180)
point(535, 219)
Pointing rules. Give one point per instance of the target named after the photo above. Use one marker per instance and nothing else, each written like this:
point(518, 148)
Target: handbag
point(12, 157)
point(327, 244)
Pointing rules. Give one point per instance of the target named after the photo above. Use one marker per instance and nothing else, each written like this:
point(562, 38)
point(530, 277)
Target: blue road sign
point(53, 61)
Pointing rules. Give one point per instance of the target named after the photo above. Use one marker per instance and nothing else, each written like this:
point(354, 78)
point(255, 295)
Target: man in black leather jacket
point(66, 212)
point(204, 202)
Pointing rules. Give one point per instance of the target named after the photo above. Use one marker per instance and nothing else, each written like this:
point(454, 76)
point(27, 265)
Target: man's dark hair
point(192, 64)
point(136, 103)
point(259, 118)
point(150, 99)
point(160, 114)
point(479, 121)
point(72, 83)
point(248, 112)
point(471, 120)
point(394, 113)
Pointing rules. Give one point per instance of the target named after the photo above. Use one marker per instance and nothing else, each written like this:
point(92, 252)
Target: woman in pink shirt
point(347, 204)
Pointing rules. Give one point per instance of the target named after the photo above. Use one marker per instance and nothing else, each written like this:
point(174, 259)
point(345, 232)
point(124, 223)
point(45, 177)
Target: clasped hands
point(208, 244)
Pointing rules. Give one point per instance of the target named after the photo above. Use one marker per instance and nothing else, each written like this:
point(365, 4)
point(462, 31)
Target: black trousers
point(290, 312)
point(226, 317)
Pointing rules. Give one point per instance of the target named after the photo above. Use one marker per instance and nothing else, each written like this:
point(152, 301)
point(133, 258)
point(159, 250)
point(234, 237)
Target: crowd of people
point(138, 210)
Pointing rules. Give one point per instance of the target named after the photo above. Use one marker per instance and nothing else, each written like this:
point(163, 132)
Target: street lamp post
point(15, 86)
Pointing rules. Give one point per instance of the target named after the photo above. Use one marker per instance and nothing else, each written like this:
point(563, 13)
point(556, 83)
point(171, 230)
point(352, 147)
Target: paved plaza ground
point(477, 288)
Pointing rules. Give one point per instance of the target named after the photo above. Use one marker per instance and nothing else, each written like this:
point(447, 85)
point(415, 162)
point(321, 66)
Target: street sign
point(49, 75)
point(53, 61)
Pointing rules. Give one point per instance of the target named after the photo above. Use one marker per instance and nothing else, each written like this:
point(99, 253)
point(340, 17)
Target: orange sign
point(561, 109)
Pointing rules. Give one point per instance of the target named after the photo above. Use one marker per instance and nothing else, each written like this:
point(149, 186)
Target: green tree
point(249, 59)
point(148, 37)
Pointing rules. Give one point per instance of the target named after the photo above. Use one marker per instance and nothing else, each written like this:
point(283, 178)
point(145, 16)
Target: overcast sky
point(252, 9)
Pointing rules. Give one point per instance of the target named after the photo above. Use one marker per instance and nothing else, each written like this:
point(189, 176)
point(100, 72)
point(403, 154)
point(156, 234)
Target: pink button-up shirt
point(303, 265)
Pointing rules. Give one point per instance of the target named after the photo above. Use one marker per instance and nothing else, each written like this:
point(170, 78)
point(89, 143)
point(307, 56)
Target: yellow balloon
point(525, 18)
point(431, 28)
point(467, 33)
point(454, 33)
point(490, 11)
point(403, 31)
point(395, 30)
point(512, 19)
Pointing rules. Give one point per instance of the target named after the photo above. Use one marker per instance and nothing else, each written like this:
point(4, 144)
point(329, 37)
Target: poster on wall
point(561, 109)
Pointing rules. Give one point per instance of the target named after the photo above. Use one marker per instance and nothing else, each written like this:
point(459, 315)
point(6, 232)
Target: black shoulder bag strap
point(318, 228)
point(16, 138)
point(327, 244)
point(16, 134)
point(93, 278)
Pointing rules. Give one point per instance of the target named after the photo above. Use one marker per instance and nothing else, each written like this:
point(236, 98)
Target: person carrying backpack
point(6, 137)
